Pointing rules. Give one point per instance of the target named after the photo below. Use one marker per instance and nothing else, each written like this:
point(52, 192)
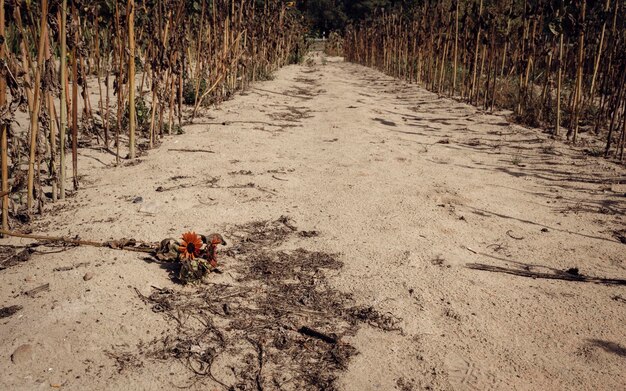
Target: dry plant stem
point(26, 63)
point(131, 76)
point(199, 60)
point(52, 125)
point(85, 93)
point(170, 113)
point(417, 42)
point(180, 98)
point(562, 276)
point(155, 102)
point(53, 147)
point(34, 118)
point(607, 6)
point(614, 113)
point(623, 136)
point(76, 242)
point(119, 76)
point(578, 100)
point(557, 125)
point(190, 150)
point(474, 89)
point(75, 98)
point(99, 76)
point(106, 108)
point(456, 44)
point(235, 44)
point(3, 133)
point(221, 75)
point(602, 116)
point(63, 101)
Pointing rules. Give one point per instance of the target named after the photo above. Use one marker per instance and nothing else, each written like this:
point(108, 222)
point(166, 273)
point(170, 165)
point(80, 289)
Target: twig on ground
point(470, 250)
point(225, 123)
point(122, 244)
point(39, 289)
point(509, 234)
point(328, 338)
point(68, 268)
point(563, 276)
point(190, 150)
point(259, 348)
point(259, 188)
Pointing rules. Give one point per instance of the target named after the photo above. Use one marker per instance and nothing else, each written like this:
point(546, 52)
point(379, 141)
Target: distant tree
point(331, 15)
point(323, 15)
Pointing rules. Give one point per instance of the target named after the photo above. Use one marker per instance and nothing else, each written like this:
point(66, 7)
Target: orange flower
point(211, 251)
point(190, 245)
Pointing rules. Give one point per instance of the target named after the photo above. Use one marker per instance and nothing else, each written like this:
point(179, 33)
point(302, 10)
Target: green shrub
point(189, 90)
point(142, 114)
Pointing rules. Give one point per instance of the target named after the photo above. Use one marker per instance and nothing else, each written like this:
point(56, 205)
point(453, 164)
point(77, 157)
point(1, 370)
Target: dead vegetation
point(279, 324)
point(147, 59)
point(6, 312)
point(558, 65)
point(293, 114)
point(11, 255)
point(333, 46)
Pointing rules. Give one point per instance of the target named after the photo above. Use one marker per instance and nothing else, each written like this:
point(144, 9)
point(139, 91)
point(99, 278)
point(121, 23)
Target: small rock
point(137, 200)
point(88, 276)
point(23, 354)
point(544, 230)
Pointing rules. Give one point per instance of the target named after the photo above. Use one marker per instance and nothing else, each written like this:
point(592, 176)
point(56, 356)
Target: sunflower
point(190, 245)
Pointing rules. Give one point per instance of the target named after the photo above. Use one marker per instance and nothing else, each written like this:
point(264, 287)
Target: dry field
point(354, 206)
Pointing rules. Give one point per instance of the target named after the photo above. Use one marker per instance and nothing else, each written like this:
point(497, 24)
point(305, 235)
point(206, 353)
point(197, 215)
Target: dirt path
point(408, 188)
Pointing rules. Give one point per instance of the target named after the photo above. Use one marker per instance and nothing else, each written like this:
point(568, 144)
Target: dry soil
point(405, 187)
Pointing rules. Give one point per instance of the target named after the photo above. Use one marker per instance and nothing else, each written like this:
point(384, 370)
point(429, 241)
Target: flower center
point(191, 248)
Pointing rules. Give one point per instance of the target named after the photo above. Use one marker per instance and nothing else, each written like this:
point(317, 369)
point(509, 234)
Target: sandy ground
point(407, 187)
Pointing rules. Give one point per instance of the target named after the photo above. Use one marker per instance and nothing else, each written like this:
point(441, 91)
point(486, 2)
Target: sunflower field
point(555, 64)
point(116, 74)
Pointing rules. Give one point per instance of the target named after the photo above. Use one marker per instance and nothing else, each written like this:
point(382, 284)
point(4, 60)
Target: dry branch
point(190, 150)
point(33, 292)
point(561, 276)
point(309, 332)
point(122, 244)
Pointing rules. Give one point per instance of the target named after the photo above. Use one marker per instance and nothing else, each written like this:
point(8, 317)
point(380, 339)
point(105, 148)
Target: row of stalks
point(555, 63)
point(117, 76)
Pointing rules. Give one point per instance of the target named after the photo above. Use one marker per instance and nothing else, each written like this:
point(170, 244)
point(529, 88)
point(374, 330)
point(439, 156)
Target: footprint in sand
point(465, 375)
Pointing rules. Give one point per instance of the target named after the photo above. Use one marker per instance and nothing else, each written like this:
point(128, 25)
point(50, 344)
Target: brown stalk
point(34, 118)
